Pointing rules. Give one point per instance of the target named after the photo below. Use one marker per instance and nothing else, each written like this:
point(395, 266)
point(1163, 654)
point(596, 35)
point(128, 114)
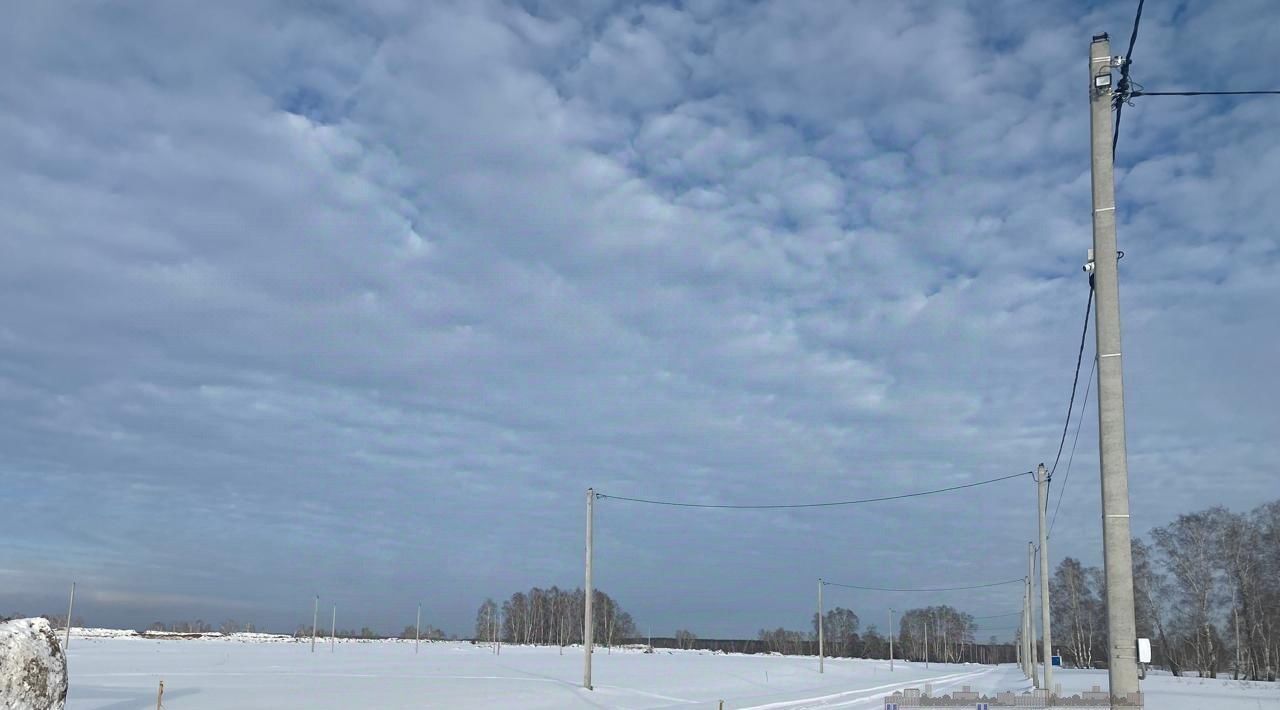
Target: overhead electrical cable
point(827, 504)
point(1122, 86)
point(1204, 93)
point(1075, 382)
point(1019, 580)
point(1066, 476)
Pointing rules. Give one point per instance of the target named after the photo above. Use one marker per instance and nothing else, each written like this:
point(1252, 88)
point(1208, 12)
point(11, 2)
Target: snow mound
point(33, 669)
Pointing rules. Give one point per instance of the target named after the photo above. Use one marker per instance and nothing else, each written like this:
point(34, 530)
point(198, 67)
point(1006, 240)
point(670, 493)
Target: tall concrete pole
point(333, 629)
point(891, 640)
point(1017, 647)
point(315, 619)
point(820, 625)
point(1031, 619)
point(1122, 667)
point(925, 624)
point(1022, 637)
point(1042, 499)
point(586, 614)
point(417, 629)
point(71, 605)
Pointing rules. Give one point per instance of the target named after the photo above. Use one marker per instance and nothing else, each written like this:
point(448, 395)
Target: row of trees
point(552, 617)
point(1207, 592)
point(940, 633)
point(944, 633)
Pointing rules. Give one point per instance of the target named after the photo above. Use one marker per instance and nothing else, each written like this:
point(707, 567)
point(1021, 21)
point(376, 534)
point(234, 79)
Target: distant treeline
point(1207, 591)
point(552, 616)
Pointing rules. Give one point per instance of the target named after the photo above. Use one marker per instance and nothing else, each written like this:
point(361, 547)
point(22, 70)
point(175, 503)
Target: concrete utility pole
point(1031, 619)
point(417, 630)
point(1028, 658)
point(925, 624)
point(820, 625)
point(586, 620)
point(71, 605)
point(1122, 666)
point(1042, 500)
point(1017, 649)
point(1235, 613)
point(333, 629)
point(891, 640)
point(315, 619)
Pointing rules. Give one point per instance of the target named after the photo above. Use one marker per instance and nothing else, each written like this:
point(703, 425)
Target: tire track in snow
point(843, 699)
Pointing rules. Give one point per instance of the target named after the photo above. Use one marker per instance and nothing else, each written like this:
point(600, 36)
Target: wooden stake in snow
point(160, 697)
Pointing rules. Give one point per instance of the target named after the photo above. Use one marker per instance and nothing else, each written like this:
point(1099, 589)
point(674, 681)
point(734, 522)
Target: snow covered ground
point(122, 673)
point(1163, 691)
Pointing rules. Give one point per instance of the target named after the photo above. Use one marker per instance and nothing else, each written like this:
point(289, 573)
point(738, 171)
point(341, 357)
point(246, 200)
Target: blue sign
point(1057, 660)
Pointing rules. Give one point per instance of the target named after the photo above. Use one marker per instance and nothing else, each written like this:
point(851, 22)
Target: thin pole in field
point(820, 625)
point(891, 640)
point(586, 612)
point(315, 619)
point(70, 606)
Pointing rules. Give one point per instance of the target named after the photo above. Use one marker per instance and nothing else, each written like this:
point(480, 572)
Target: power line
point(1122, 86)
point(999, 616)
point(1067, 475)
point(1203, 93)
point(1075, 381)
point(1019, 580)
point(814, 505)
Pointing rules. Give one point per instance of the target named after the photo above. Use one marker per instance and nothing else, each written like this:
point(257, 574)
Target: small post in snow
point(70, 606)
point(315, 618)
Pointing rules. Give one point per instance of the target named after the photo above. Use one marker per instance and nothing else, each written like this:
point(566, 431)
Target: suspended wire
point(999, 616)
point(1067, 475)
point(1203, 93)
point(1122, 86)
point(814, 505)
point(1125, 92)
point(1075, 382)
point(1019, 580)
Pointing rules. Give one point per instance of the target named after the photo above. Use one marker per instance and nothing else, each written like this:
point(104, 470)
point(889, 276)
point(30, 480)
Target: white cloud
point(385, 289)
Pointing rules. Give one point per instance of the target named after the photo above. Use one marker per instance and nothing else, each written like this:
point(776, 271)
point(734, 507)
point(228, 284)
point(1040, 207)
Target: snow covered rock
point(33, 669)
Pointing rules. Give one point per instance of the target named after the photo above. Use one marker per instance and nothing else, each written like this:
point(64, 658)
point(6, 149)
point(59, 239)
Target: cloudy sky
point(305, 299)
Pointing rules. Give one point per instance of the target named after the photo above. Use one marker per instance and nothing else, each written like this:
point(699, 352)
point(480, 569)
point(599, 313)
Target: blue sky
point(357, 300)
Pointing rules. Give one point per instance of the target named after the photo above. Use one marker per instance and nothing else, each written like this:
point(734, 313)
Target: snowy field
point(116, 673)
